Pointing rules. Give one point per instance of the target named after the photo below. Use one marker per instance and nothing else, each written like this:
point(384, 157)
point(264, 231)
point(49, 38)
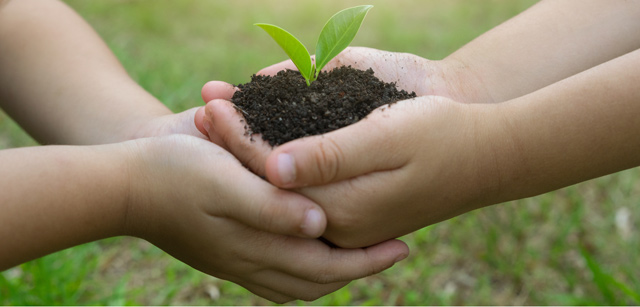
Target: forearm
point(577, 129)
point(61, 83)
point(548, 42)
point(54, 197)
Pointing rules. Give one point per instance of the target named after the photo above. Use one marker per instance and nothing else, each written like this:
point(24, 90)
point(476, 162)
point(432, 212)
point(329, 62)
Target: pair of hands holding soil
point(382, 177)
point(387, 175)
point(520, 111)
point(358, 187)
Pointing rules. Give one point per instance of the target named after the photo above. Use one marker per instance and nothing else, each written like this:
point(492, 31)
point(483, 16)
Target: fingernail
point(311, 226)
point(401, 257)
point(286, 168)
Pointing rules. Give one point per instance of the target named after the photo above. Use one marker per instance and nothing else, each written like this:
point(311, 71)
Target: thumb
point(223, 119)
point(252, 201)
point(364, 147)
point(278, 211)
point(198, 120)
point(217, 90)
point(275, 68)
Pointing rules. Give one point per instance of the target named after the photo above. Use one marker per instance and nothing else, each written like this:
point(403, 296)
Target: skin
point(570, 118)
point(129, 166)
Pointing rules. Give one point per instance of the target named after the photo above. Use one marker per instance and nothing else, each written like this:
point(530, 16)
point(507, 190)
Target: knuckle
point(331, 270)
point(376, 266)
point(266, 215)
point(254, 162)
point(343, 219)
point(347, 229)
point(323, 276)
point(345, 224)
point(277, 216)
point(328, 159)
point(322, 272)
point(243, 146)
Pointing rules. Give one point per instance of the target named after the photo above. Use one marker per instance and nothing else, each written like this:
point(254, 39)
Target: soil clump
point(282, 108)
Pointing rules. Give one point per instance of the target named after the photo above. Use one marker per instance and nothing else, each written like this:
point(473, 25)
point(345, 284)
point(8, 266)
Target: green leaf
point(338, 33)
point(293, 47)
point(605, 282)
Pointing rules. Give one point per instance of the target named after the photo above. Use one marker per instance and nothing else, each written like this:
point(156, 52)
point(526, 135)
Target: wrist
point(150, 203)
point(135, 211)
point(460, 82)
point(146, 117)
point(498, 155)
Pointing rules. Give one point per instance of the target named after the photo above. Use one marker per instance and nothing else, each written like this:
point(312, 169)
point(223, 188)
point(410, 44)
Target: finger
point(322, 264)
point(381, 193)
point(290, 286)
point(198, 119)
point(357, 57)
point(369, 145)
point(204, 126)
point(274, 296)
point(228, 123)
point(217, 90)
point(210, 91)
point(275, 68)
point(260, 205)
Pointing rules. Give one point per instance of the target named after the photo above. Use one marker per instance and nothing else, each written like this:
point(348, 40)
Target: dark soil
point(283, 108)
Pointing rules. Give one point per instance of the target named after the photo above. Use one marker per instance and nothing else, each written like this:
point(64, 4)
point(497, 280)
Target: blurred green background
point(578, 245)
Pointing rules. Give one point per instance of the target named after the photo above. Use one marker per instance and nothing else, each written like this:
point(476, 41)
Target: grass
point(560, 248)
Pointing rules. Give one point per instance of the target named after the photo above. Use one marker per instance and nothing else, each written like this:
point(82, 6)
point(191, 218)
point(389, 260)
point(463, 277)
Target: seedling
point(336, 35)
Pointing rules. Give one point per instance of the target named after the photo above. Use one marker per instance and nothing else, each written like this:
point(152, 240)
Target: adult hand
point(197, 202)
point(410, 165)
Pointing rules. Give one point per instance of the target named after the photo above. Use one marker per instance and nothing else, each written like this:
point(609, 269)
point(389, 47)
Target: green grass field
point(566, 247)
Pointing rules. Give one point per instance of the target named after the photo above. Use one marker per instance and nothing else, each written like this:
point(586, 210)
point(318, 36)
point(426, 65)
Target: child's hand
point(415, 164)
point(197, 202)
point(348, 226)
point(447, 78)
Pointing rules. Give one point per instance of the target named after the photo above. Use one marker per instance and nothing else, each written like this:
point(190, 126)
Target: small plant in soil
point(295, 104)
point(336, 35)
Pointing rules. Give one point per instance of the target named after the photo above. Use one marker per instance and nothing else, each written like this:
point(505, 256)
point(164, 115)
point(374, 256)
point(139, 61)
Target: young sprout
point(336, 35)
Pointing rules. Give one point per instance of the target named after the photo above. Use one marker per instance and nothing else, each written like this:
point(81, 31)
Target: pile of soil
point(283, 108)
